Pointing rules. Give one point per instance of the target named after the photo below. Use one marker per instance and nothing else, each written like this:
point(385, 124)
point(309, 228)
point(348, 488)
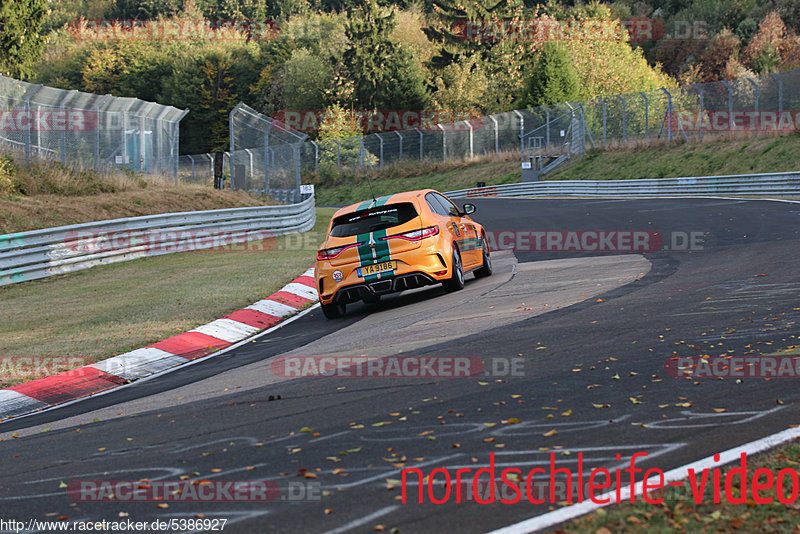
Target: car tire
point(486, 269)
point(371, 299)
point(456, 280)
point(333, 310)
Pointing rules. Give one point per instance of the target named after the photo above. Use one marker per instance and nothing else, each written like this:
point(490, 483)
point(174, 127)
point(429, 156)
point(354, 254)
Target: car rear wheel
point(333, 310)
point(486, 270)
point(456, 280)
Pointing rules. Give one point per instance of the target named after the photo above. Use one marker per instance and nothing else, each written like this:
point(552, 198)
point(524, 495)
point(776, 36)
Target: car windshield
point(365, 221)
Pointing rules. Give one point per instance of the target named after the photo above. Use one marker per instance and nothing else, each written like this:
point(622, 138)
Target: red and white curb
point(37, 395)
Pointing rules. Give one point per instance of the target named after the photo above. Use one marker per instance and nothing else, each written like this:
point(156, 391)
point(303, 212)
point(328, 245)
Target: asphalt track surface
point(603, 341)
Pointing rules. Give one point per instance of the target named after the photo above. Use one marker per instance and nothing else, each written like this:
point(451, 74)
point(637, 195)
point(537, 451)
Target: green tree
point(20, 42)
point(553, 79)
point(305, 79)
point(382, 74)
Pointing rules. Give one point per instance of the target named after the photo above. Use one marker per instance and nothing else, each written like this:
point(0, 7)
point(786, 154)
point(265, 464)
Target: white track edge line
point(679, 473)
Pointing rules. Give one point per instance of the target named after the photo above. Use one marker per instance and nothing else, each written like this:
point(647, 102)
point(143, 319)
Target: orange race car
point(398, 242)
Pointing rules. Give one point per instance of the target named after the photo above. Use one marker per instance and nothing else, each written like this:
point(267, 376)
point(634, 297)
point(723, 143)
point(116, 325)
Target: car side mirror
point(468, 208)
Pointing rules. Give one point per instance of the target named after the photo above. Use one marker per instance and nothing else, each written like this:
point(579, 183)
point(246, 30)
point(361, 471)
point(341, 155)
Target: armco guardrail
point(768, 184)
point(51, 251)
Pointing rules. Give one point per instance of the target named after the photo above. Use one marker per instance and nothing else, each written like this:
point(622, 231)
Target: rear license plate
point(383, 267)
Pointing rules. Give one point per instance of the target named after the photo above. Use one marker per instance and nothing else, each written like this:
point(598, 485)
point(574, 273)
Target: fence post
point(605, 115)
point(758, 119)
point(444, 142)
point(646, 114)
point(780, 93)
point(702, 106)
point(100, 101)
point(192, 160)
point(624, 123)
point(29, 94)
point(401, 144)
point(296, 154)
point(496, 135)
point(668, 116)
point(380, 139)
point(420, 143)
point(547, 129)
point(471, 152)
point(521, 135)
point(730, 100)
point(585, 128)
point(338, 155)
point(316, 156)
point(267, 157)
point(175, 147)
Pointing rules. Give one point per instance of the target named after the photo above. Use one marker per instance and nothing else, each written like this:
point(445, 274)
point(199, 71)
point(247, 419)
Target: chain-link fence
point(199, 169)
point(89, 131)
point(272, 156)
point(264, 155)
point(764, 104)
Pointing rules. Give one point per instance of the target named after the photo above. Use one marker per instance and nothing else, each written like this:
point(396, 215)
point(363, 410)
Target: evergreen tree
point(459, 27)
point(553, 79)
point(20, 42)
point(378, 69)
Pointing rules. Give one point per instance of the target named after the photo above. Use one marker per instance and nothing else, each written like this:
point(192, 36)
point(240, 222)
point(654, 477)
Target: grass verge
point(43, 195)
point(708, 158)
point(97, 313)
point(350, 187)
point(680, 513)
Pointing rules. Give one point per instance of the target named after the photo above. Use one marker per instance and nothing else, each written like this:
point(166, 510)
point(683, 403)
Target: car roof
point(405, 196)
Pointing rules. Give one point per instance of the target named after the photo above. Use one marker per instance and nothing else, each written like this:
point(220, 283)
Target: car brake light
point(330, 253)
point(415, 235)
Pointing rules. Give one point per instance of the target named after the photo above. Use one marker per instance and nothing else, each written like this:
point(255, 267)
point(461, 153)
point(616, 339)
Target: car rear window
point(378, 218)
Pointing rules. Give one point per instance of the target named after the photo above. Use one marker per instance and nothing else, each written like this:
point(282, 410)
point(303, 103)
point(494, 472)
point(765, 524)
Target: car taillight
point(330, 253)
point(415, 235)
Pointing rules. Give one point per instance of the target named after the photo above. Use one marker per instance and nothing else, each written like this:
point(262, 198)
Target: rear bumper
point(356, 292)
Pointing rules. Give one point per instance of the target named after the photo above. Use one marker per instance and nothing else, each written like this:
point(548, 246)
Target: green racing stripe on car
point(381, 252)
